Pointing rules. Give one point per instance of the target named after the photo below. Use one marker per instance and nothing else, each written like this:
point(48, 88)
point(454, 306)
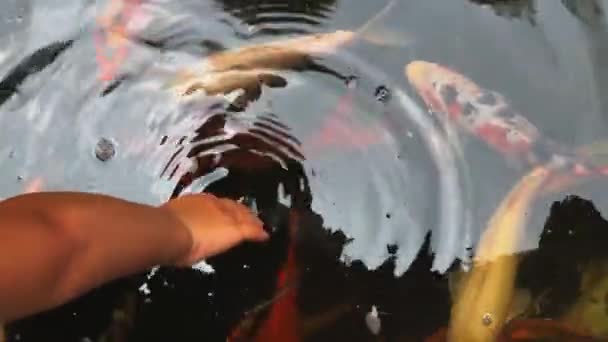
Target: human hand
point(215, 224)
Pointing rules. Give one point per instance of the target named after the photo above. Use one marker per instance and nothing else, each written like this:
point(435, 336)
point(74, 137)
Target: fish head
point(440, 87)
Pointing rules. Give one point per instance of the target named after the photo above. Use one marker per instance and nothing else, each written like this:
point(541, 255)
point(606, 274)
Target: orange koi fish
point(111, 36)
point(488, 116)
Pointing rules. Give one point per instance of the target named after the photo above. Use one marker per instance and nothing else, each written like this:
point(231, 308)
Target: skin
point(57, 246)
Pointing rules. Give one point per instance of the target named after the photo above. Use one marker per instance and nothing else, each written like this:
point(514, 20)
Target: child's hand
point(216, 225)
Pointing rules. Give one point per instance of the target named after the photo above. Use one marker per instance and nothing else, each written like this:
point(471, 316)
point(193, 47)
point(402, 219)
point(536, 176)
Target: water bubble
point(144, 289)
point(105, 150)
point(373, 321)
point(487, 319)
point(382, 94)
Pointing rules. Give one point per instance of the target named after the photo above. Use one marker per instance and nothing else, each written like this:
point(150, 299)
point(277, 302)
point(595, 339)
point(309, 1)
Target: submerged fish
point(339, 129)
point(249, 68)
point(488, 116)
point(229, 70)
point(484, 299)
point(111, 37)
point(282, 321)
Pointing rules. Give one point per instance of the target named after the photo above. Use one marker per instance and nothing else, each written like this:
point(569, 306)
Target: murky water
point(386, 200)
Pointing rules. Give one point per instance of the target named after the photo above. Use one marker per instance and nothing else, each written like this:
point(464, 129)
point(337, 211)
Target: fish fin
point(272, 80)
point(386, 37)
point(376, 32)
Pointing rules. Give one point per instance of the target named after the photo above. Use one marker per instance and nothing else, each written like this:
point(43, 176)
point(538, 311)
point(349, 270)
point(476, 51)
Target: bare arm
point(56, 246)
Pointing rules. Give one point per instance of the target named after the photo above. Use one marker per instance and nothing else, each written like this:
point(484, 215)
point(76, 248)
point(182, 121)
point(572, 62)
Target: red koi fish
point(488, 116)
point(110, 37)
point(338, 129)
point(282, 322)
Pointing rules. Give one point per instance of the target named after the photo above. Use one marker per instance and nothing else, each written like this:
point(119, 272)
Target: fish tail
point(282, 322)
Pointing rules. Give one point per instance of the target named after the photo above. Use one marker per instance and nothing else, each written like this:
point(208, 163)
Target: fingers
point(250, 226)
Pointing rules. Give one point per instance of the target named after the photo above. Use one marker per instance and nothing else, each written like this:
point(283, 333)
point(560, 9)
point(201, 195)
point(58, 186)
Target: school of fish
point(475, 111)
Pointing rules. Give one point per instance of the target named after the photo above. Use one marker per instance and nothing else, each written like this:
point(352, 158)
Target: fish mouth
point(418, 72)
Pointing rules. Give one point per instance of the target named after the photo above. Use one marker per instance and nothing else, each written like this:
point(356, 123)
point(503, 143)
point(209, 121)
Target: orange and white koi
point(488, 116)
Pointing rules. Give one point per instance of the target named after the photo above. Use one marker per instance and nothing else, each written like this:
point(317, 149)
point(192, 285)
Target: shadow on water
point(260, 161)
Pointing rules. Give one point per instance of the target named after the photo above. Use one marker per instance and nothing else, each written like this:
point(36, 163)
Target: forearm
point(80, 241)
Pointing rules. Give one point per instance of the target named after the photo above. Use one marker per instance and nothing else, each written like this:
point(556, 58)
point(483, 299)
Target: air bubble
point(105, 150)
point(487, 319)
point(382, 94)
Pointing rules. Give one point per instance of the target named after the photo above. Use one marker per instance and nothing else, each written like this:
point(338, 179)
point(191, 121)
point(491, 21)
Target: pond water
point(390, 204)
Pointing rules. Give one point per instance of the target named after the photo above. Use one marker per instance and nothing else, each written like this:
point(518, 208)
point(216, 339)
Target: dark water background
point(548, 57)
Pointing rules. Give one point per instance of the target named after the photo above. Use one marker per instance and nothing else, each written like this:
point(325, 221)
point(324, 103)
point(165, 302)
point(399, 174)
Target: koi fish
point(111, 36)
point(339, 130)
point(488, 116)
point(296, 53)
point(250, 67)
point(483, 301)
point(282, 321)
point(228, 70)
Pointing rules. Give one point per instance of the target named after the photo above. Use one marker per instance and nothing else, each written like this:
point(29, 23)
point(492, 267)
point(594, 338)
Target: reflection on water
point(267, 17)
point(369, 197)
point(521, 9)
